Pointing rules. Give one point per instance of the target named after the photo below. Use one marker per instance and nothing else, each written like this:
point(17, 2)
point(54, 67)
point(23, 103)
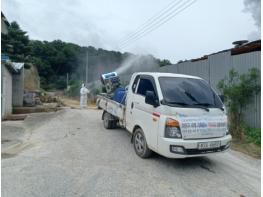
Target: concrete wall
point(6, 92)
point(4, 27)
point(18, 89)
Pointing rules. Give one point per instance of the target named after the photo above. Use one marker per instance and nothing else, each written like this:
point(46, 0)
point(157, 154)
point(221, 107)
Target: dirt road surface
point(69, 153)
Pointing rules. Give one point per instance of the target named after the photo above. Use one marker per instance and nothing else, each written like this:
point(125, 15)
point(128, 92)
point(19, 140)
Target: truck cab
point(175, 115)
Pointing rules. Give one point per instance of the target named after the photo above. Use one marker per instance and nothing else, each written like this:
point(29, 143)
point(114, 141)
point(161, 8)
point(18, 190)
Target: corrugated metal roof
point(245, 48)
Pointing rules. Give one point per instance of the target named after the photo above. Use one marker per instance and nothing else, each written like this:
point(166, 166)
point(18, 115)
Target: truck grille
point(197, 151)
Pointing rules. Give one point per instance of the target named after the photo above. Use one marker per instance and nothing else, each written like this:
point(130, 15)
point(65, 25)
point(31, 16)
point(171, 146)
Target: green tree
point(56, 59)
point(238, 91)
point(164, 62)
point(16, 43)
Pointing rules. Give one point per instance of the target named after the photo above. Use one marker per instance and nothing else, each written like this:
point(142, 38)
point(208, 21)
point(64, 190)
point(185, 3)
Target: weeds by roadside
point(253, 135)
point(249, 143)
point(246, 147)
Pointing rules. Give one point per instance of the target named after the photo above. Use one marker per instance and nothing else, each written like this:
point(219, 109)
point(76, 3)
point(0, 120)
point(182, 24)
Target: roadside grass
point(247, 148)
point(254, 135)
point(250, 143)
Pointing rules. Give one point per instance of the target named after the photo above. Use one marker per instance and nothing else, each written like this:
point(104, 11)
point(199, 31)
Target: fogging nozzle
point(111, 81)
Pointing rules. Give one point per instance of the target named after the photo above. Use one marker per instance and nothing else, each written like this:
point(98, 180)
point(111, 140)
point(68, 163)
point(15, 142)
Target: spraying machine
point(111, 81)
point(114, 91)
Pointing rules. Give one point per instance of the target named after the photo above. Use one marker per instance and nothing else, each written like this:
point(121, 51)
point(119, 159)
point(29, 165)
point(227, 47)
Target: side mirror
point(151, 99)
point(222, 98)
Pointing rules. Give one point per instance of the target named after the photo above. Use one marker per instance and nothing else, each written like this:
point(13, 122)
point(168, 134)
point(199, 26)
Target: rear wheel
point(140, 144)
point(108, 121)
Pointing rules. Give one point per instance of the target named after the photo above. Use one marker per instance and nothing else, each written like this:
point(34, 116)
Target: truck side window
point(134, 85)
point(145, 85)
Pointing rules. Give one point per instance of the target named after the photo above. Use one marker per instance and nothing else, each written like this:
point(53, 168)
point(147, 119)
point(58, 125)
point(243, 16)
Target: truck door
point(142, 113)
point(130, 104)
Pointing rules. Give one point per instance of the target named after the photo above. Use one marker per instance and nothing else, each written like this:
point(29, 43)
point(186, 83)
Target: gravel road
point(69, 153)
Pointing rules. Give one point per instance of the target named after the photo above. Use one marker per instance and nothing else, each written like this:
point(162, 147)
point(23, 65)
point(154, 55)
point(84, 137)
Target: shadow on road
point(187, 163)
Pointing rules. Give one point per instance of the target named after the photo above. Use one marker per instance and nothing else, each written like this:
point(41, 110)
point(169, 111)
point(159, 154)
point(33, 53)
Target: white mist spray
point(132, 64)
point(138, 63)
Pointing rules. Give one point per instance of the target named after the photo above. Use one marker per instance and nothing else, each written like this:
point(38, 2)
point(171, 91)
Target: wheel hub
point(139, 142)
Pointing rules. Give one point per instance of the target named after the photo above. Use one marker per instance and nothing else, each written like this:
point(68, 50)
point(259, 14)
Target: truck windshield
point(187, 92)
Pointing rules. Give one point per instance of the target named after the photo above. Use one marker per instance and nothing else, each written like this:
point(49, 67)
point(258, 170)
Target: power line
point(158, 24)
point(168, 12)
point(152, 19)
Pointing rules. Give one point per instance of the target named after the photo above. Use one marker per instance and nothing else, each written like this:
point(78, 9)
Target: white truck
point(174, 115)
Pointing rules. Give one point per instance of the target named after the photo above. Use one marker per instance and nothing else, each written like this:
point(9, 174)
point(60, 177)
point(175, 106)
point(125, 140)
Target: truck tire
point(140, 145)
point(108, 123)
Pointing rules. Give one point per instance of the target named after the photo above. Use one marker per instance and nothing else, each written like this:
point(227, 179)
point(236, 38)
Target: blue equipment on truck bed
point(119, 95)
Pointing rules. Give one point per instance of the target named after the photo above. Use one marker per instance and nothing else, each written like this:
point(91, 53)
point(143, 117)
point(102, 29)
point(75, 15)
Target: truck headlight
point(172, 129)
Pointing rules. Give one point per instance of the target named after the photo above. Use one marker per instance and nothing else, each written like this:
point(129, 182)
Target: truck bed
point(114, 108)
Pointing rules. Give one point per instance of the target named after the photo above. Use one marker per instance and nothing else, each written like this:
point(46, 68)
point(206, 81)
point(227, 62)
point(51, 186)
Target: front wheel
point(140, 144)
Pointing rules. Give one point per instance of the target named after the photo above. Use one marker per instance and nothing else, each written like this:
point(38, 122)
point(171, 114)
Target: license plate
point(208, 145)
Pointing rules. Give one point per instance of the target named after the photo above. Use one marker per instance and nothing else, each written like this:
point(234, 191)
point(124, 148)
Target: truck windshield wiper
point(196, 105)
point(203, 106)
point(209, 105)
point(164, 102)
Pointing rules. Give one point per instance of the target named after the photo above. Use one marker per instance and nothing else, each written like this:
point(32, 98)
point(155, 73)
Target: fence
point(216, 67)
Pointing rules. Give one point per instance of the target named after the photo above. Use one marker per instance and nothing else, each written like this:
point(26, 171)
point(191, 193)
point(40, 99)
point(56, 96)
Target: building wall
point(18, 89)
point(6, 92)
point(4, 27)
point(219, 66)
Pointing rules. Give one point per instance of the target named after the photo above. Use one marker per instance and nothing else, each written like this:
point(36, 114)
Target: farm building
point(216, 66)
point(12, 79)
point(12, 90)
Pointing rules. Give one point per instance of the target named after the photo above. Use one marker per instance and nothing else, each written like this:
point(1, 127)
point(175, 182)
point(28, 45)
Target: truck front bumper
point(189, 148)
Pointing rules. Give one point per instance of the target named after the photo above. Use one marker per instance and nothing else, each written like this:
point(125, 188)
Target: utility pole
point(87, 68)
point(67, 81)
